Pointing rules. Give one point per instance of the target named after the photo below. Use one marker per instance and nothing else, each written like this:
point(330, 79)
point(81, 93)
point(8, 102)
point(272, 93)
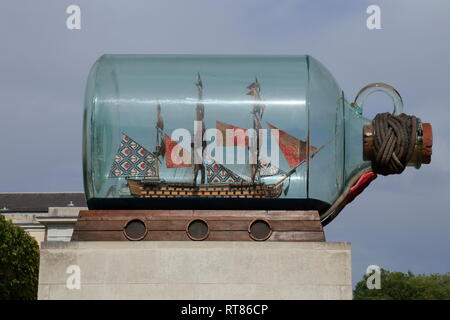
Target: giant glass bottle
point(223, 132)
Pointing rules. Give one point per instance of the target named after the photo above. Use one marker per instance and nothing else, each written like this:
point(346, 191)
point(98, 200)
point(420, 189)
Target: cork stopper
point(427, 142)
point(423, 153)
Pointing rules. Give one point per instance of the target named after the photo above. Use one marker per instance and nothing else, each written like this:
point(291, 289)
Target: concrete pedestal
point(195, 270)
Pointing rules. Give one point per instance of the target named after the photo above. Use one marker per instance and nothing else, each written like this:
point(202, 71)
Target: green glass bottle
point(223, 132)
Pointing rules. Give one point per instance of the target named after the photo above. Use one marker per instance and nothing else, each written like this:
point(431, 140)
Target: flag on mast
point(293, 149)
point(176, 155)
point(240, 136)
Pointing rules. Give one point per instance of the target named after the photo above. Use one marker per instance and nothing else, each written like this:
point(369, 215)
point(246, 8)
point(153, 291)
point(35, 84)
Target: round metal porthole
point(135, 230)
point(197, 229)
point(259, 230)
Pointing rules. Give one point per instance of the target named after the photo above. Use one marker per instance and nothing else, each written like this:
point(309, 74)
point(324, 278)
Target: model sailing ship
point(140, 167)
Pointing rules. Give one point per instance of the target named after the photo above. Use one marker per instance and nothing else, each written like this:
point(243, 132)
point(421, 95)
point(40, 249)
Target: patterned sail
point(216, 173)
point(133, 160)
point(238, 145)
point(267, 169)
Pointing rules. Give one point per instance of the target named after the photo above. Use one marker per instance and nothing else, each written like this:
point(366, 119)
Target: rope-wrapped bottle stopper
point(396, 141)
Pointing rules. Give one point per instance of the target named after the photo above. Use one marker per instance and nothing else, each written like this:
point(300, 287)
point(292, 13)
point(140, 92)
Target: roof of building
point(39, 201)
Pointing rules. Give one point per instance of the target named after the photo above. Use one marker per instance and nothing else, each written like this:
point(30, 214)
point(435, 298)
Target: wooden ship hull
point(143, 188)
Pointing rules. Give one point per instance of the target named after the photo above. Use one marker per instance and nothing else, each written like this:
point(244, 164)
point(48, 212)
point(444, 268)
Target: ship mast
point(160, 143)
point(257, 112)
point(200, 131)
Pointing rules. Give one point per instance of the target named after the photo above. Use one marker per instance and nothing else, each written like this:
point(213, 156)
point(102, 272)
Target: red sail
point(294, 150)
point(240, 138)
point(179, 159)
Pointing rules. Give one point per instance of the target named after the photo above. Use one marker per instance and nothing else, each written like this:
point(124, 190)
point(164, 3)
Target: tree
point(405, 286)
point(19, 263)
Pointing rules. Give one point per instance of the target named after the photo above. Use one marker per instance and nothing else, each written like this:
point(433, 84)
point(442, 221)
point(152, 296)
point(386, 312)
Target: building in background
point(49, 216)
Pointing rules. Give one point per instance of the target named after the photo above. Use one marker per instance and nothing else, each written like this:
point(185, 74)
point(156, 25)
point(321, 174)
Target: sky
point(399, 223)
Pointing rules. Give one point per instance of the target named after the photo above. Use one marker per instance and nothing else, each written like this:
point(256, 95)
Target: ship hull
point(143, 189)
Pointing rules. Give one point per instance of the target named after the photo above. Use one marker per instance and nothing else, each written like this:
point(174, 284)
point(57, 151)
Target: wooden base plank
point(220, 225)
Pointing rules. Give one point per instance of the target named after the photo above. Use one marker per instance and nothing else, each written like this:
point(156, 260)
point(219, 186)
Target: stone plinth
point(196, 270)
